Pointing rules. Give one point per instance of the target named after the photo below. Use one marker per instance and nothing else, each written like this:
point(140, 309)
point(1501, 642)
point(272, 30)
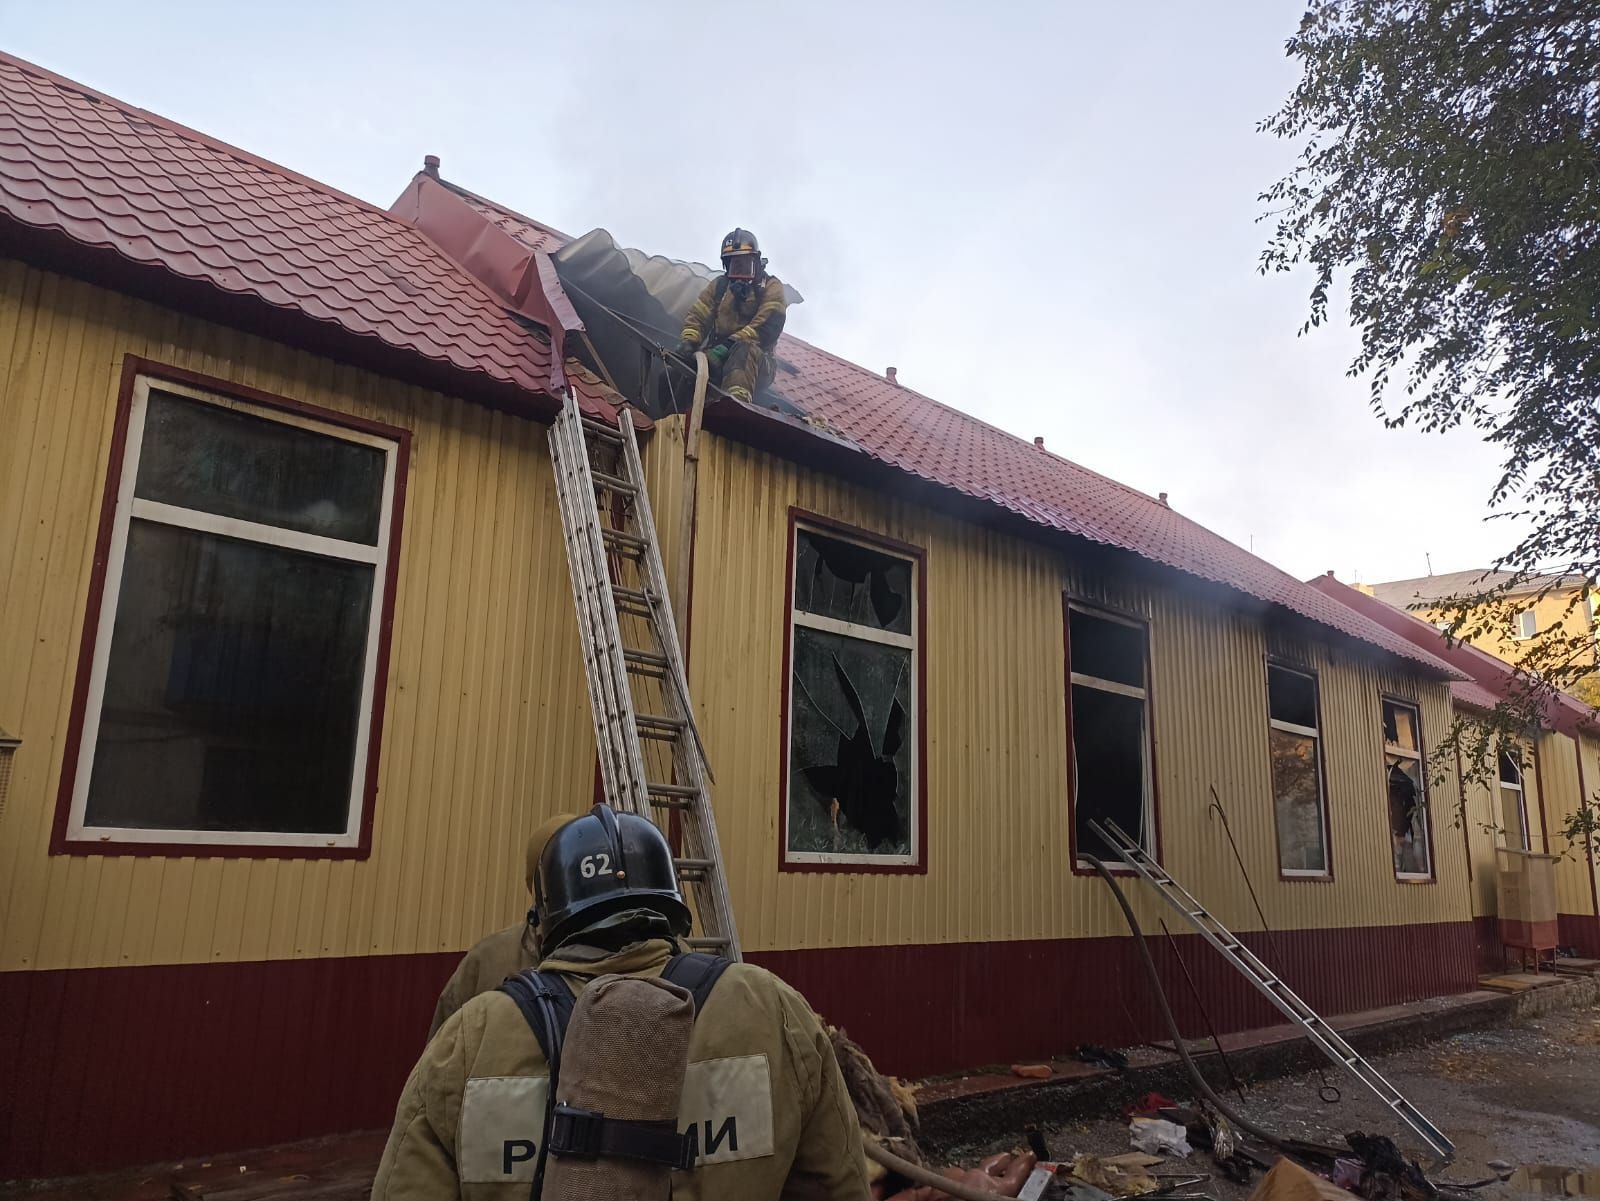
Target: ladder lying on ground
point(1324, 1036)
point(652, 762)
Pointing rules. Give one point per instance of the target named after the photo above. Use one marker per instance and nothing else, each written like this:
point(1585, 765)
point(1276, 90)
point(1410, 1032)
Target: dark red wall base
point(1581, 932)
point(114, 1066)
point(107, 1067)
point(924, 1010)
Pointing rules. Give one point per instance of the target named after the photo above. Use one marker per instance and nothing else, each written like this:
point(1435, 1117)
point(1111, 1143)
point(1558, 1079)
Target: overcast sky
point(1042, 213)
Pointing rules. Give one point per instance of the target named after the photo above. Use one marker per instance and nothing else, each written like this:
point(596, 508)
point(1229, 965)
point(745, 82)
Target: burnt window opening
point(1407, 793)
point(1513, 804)
point(852, 705)
point(1294, 748)
point(1110, 724)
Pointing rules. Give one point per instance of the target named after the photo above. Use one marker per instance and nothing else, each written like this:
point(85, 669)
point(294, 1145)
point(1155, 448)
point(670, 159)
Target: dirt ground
point(1527, 1093)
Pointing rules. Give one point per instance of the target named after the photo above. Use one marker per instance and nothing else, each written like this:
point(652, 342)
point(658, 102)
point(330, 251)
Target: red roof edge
point(54, 250)
point(1563, 713)
point(521, 279)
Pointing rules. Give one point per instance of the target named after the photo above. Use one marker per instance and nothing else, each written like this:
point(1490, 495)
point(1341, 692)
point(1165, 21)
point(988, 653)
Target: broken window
point(1408, 799)
point(852, 704)
point(1513, 804)
point(1110, 729)
point(233, 673)
point(1294, 742)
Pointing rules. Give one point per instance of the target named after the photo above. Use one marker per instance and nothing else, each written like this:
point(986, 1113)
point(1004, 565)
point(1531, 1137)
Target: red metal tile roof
point(1473, 695)
point(945, 446)
point(119, 179)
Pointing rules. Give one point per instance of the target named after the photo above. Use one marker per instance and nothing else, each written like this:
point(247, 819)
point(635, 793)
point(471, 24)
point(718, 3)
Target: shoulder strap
point(546, 1004)
point(697, 972)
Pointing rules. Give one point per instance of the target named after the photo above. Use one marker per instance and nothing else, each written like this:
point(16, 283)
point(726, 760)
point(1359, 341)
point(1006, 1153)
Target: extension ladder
point(1324, 1036)
point(652, 762)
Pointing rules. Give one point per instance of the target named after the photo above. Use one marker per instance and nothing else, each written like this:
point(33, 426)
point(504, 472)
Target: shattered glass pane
point(1297, 793)
point(1408, 816)
point(1108, 750)
point(1400, 726)
point(850, 746)
point(1105, 649)
point(851, 582)
point(1292, 697)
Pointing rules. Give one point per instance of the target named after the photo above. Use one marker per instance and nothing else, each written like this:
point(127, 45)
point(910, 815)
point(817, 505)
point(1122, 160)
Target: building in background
point(1533, 607)
point(286, 635)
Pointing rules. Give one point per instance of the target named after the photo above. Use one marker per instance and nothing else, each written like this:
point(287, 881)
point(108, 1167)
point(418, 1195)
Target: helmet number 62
point(591, 866)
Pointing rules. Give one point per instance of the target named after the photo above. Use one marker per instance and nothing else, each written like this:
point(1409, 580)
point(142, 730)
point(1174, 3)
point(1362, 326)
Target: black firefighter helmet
point(603, 863)
point(741, 256)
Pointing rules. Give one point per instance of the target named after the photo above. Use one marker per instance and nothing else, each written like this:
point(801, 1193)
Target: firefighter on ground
point(777, 1121)
point(503, 953)
point(737, 320)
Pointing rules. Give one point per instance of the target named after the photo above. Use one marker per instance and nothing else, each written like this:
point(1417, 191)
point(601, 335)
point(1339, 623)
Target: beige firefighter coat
point(496, 956)
point(763, 1096)
point(503, 953)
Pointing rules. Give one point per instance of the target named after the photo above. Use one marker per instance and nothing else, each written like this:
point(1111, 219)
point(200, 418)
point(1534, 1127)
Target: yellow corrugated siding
point(1589, 747)
point(1558, 766)
point(997, 837)
point(487, 727)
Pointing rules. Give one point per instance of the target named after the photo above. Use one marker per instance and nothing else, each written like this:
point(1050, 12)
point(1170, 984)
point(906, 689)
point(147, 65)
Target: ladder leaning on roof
point(652, 761)
point(1324, 1036)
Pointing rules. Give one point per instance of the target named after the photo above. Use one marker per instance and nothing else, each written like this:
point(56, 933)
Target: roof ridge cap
point(459, 190)
point(184, 131)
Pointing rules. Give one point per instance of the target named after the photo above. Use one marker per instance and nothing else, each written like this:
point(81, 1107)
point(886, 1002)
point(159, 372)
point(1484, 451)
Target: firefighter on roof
point(737, 320)
point(749, 1107)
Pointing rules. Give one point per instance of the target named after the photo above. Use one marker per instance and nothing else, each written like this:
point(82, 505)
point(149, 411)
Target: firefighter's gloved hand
point(718, 355)
point(685, 351)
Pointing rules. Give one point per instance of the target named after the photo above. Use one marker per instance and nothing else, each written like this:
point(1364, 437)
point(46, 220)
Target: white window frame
point(1519, 786)
point(1315, 734)
point(1147, 812)
point(1525, 619)
point(849, 629)
point(1394, 748)
point(128, 507)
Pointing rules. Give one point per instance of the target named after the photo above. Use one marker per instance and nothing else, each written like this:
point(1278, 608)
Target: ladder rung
point(686, 791)
point(646, 663)
point(675, 804)
point(623, 540)
point(613, 483)
point(693, 867)
point(601, 430)
point(707, 943)
point(653, 725)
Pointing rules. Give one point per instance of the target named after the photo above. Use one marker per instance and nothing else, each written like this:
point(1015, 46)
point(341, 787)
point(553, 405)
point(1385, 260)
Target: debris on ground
point(1119, 1175)
point(1033, 1071)
point(1102, 1057)
point(1288, 1181)
point(1157, 1136)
